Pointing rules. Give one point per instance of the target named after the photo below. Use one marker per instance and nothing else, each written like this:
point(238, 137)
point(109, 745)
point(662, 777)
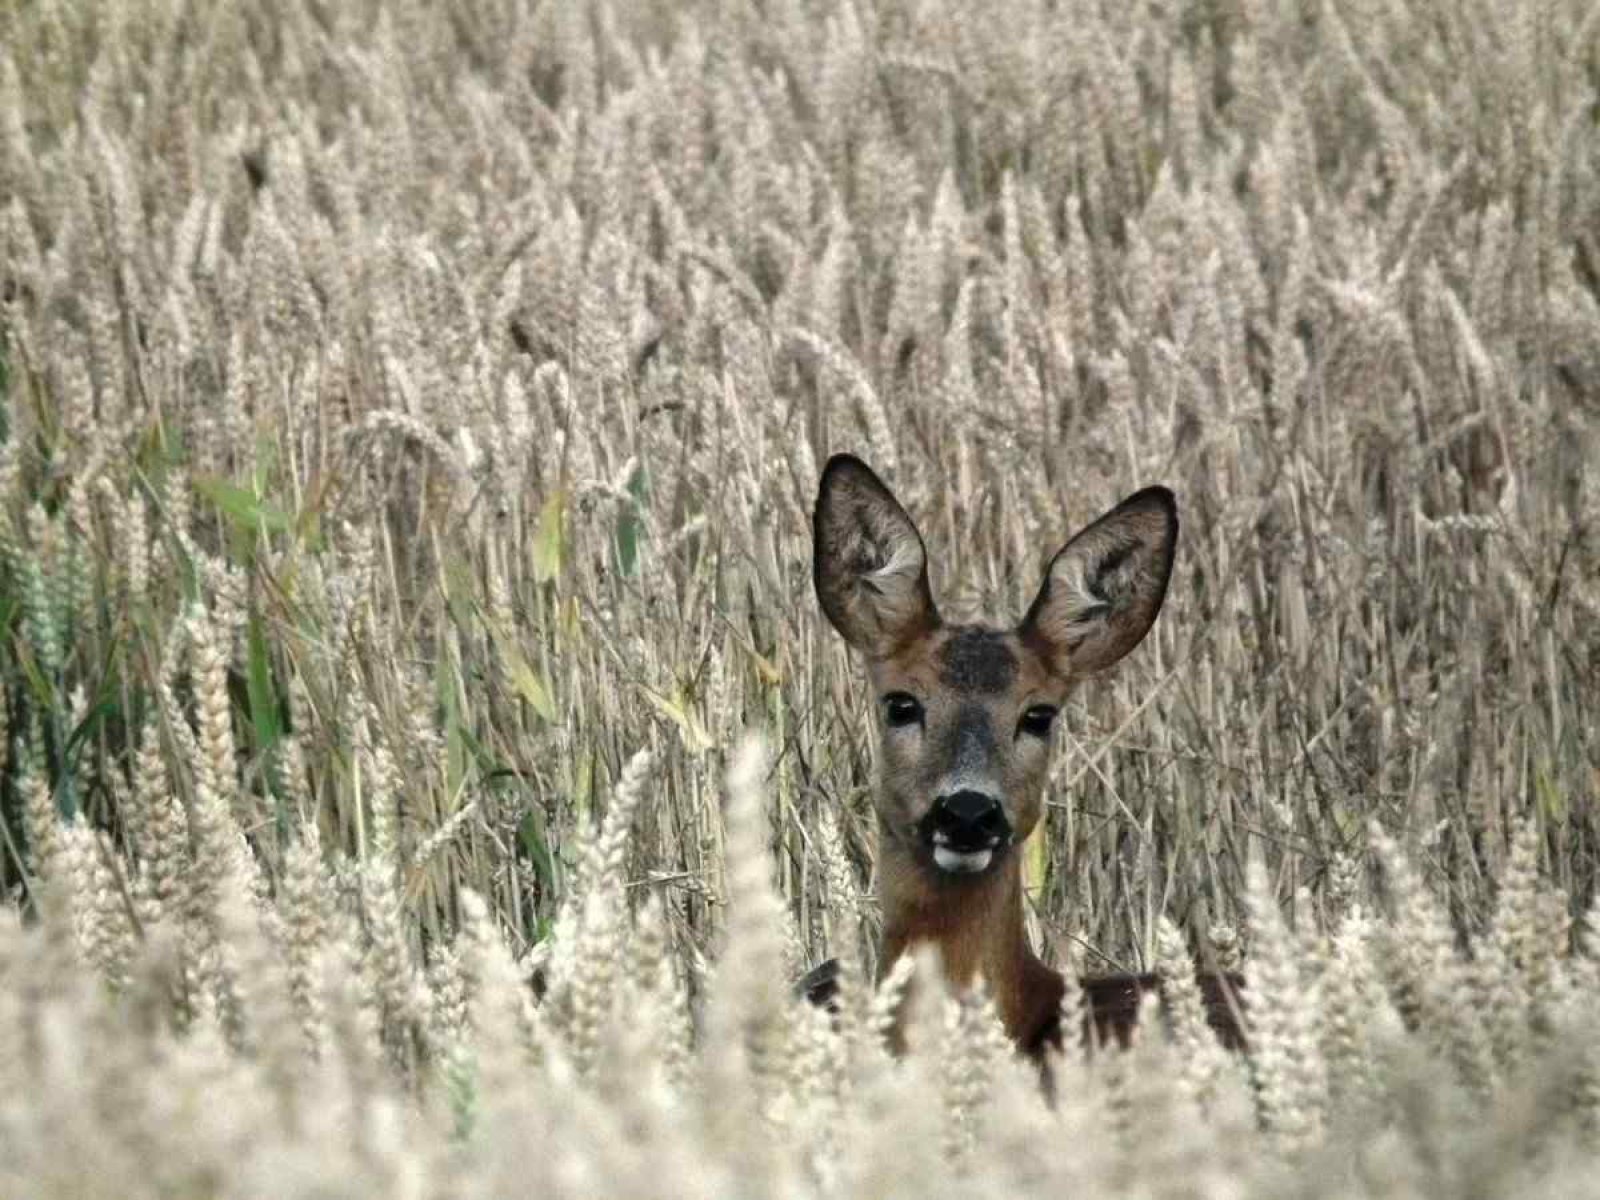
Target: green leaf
point(258, 684)
point(537, 848)
point(243, 507)
point(582, 790)
point(630, 524)
point(529, 685)
point(460, 589)
point(66, 792)
point(678, 710)
point(1552, 803)
point(1035, 861)
point(456, 737)
point(265, 458)
point(547, 541)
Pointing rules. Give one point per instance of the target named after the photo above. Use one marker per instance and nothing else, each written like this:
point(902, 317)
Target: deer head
point(965, 713)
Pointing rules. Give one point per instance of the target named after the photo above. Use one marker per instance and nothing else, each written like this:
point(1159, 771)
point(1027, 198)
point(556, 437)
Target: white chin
point(961, 864)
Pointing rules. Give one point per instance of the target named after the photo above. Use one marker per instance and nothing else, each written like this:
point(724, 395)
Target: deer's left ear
point(1104, 588)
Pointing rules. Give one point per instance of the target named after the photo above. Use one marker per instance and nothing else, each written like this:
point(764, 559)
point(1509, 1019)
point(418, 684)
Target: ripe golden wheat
point(425, 768)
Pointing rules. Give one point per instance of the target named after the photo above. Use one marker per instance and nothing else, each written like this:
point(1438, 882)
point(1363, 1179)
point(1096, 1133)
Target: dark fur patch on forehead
point(974, 659)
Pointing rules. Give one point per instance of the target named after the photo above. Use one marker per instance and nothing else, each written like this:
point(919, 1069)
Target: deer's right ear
point(869, 563)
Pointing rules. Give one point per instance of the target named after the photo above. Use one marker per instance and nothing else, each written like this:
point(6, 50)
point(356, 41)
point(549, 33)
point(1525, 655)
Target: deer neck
point(976, 924)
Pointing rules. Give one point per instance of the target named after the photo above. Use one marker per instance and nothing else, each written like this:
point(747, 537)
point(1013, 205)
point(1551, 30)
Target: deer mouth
point(964, 856)
point(962, 862)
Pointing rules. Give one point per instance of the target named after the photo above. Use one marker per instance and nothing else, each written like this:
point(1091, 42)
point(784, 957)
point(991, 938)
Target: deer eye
point(1036, 721)
point(900, 709)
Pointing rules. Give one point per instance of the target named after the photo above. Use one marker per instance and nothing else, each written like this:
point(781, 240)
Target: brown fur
point(968, 699)
point(909, 769)
point(1111, 1005)
point(976, 925)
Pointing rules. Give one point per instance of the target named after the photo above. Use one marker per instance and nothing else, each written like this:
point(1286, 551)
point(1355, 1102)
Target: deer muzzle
point(964, 830)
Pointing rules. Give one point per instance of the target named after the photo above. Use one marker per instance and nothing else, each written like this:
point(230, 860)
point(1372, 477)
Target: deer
point(964, 716)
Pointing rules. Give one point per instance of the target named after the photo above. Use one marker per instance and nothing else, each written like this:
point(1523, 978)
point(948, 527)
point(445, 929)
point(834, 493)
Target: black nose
point(966, 821)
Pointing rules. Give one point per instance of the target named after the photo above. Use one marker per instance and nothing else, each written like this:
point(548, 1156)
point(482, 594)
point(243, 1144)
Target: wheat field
point(425, 764)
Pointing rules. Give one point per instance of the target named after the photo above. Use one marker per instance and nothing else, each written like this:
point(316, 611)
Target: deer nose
point(967, 821)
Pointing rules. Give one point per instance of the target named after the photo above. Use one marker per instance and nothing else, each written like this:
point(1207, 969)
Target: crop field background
point(425, 765)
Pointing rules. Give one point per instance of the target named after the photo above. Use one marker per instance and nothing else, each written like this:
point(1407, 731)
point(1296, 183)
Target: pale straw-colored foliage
point(409, 421)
